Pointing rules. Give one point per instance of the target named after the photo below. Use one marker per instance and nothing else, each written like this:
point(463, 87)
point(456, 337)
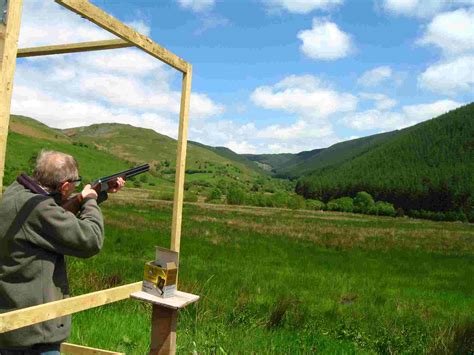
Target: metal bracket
point(4, 10)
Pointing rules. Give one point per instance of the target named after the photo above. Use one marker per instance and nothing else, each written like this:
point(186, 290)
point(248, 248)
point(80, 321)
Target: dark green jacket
point(35, 234)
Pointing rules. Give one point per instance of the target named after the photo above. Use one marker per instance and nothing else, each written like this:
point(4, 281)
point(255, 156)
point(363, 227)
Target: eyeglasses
point(76, 182)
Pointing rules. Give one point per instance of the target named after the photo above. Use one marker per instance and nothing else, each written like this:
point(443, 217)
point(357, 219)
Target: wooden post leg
point(9, 33)
point(163, 331)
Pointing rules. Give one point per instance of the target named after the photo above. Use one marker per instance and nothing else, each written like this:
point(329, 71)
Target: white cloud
point(63, 26)
point(301, 6)
point(387, 120)
point(202, 106)
point(325, 41)
point(424, 112)
point(121, 85)
point(449, 77)
point(452, 32)
point(135, 62)
point(382, 102)
point(421, 8)
point(303, 95)
point(197, 5)
point(300, 129)
point(375, 76)
point(312, 101)
point(241, 147)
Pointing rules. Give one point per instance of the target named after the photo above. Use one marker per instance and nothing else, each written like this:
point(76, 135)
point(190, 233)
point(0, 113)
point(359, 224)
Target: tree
point(363, 201)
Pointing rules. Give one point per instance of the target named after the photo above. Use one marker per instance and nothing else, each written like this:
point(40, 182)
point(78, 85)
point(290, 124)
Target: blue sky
point(269, 76)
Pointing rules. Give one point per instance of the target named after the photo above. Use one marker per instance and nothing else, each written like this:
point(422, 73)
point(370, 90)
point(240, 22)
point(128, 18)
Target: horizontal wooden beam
point(73, 349)
point(73, 48)
point(43, 312)
point(96, 15)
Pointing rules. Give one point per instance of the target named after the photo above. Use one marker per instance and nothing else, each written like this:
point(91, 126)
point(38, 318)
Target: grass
point(274, 280)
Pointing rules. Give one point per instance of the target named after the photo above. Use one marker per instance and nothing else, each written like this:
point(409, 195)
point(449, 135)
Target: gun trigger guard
point(104, 186)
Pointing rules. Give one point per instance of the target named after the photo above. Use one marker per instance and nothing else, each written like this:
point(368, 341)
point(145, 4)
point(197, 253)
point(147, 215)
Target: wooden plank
point(181, 160)
point(179, 300)
point(163, 331)
point(8, 47)
point(36, 314)
point(73, 48)
point(96, 15)
point(73, 349)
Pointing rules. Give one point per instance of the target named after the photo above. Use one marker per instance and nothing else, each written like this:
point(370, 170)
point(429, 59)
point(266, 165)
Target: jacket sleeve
point(60, 231)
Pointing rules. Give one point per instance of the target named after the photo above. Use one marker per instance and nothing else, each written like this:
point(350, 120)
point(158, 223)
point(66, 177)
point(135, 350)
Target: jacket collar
point(31, 185)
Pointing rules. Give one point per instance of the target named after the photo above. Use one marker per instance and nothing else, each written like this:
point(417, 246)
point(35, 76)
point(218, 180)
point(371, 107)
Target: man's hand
point(119, 183)
point(89, 192)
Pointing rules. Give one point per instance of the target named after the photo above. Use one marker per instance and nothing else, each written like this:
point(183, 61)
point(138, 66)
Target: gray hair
point(54, 168)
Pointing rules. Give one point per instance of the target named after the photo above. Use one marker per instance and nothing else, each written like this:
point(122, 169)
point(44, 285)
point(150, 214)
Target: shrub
point(363, 201)
point(190, 197)
point(235, 196)
point(279, 199)
point(214, 194)
point(137, 184)
point(381, 208)
point(400, 212)
point(343, 204)
point(167, 196)
point(296, 202)
point(315, 205)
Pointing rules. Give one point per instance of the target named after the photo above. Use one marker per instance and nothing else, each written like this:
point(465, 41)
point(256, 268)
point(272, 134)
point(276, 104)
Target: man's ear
point(63, 188)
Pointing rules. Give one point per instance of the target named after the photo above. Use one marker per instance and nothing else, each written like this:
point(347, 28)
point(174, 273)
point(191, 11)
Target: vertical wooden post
point(163, 330)
point(181, 160)
point(9, 32)
point(164, 320)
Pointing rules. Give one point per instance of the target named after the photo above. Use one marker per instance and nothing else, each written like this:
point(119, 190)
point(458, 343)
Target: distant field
point(287, 281)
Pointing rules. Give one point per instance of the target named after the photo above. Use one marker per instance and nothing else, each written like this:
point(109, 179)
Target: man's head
point(56, 172)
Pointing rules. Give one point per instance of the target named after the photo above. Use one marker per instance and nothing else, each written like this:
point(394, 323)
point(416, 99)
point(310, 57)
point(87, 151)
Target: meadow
point(275, 280)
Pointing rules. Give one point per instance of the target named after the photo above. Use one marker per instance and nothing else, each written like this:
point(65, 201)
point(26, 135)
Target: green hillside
point(22, 151)
point(140, 144)
point(105, 148)
point(232, 156)
point(333, 156)
point(29, 127)
point(292, 166)
point(271, 162)
point(428, 166)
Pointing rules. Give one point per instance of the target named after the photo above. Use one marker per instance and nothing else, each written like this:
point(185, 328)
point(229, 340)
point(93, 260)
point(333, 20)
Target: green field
point(274, 280)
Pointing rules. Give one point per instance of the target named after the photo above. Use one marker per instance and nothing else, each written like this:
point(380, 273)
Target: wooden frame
point(163, 319)
point(73, 48)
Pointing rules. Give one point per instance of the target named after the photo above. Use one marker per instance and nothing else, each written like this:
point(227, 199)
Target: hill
point(104, 148)
point(428, 166)
point(232, 156)
point(136, 144)
point(293, 166)
point(29, 127)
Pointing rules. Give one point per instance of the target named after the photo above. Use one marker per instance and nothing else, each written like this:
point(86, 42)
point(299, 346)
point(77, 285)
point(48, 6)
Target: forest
point(425, 170)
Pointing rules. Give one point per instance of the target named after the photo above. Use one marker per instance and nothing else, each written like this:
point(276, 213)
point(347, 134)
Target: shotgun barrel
point(103, 184)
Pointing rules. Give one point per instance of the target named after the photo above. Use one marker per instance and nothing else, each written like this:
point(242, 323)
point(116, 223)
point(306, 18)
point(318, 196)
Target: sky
point(269, 76)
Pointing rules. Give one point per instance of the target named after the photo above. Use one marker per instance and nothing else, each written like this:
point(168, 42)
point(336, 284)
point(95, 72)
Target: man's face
point(66, 189)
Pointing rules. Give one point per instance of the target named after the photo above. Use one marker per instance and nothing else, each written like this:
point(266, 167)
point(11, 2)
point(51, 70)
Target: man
point(35, 234)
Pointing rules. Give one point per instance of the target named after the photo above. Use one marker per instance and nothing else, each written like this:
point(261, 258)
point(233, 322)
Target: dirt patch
point(35, 133)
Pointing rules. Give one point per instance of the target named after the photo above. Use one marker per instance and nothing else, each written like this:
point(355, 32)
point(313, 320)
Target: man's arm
point(60, 231)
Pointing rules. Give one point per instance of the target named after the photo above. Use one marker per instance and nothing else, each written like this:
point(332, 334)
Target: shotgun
point(102, 185)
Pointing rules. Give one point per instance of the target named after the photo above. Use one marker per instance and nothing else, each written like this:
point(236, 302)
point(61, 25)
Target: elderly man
point(35, 234)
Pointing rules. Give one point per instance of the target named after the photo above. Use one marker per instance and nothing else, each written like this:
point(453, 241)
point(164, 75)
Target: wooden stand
point(164, 319)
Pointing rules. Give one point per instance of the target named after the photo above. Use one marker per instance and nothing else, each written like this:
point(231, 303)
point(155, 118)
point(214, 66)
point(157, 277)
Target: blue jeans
point(46, 349)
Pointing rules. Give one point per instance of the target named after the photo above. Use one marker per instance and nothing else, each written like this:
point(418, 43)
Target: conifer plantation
point(426, 167)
